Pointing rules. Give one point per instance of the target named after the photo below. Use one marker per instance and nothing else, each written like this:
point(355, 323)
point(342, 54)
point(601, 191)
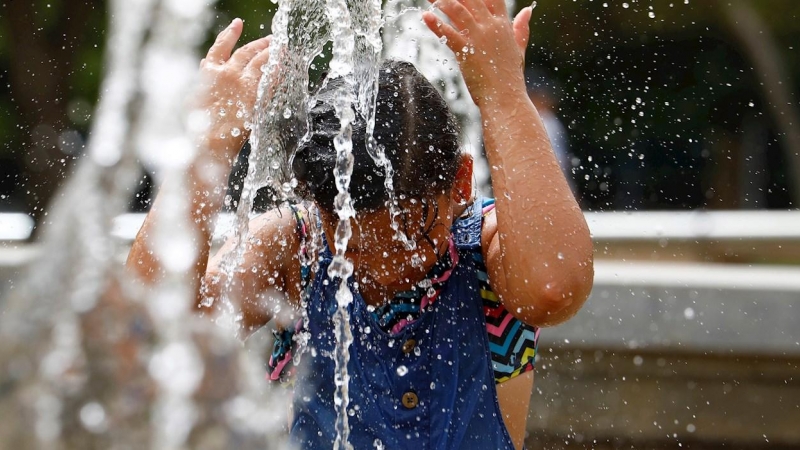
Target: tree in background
point(51, 65)
point(50, 62)
point(667, 108)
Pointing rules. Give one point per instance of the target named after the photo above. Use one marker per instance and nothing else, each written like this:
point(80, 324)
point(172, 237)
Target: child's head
point(419, 135)
point(413, 124)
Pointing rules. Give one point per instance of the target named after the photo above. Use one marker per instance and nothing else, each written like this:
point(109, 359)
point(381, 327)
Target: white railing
point(605, 226)
point(15, 227)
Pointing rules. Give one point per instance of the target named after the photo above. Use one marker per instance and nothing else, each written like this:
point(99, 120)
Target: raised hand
point(490, 48)
point(230, 85)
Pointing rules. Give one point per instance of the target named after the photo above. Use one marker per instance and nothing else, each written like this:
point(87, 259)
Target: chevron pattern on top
point(513, 344)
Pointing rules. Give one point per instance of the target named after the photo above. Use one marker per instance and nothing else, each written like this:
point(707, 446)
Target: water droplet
point(235, 132)
point(402, 370)
point(287, 113)
point(688, 313)
point(416, 260)
point(443, 39)
point(93, 417)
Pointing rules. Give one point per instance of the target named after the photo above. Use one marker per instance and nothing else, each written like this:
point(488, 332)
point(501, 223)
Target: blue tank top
point(429, 387)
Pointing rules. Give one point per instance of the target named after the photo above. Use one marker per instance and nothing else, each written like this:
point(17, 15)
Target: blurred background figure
point(544, 93)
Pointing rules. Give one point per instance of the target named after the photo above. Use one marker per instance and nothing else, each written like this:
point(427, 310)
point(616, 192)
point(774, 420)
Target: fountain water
point(89, 358)
point(85, 356)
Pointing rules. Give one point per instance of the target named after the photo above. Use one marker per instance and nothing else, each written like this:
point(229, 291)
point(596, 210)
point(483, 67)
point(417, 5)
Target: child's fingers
point(497, 7)
point(455, 40)
point(458, 14)
point(226, 40)
point(259, 60)
point(244, 55)
point(522, 28)
point(476, 7)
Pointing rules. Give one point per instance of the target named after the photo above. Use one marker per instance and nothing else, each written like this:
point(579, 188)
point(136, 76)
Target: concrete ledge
point(691, 225)
point(667, 356)
point(603, 399)
point(706, 317)
point(739, 277)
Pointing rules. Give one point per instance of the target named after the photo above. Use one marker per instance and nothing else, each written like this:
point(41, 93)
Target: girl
point(444, 335)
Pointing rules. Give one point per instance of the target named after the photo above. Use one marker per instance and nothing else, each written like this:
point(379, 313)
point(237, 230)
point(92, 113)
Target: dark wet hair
point(413, 124)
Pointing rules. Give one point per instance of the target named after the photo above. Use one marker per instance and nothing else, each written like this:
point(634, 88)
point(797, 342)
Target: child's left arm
point(539, 252)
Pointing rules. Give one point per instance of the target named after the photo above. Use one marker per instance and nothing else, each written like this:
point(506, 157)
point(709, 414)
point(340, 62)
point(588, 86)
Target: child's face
point(382, 260)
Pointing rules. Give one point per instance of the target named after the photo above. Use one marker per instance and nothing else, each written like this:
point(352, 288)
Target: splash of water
point(354, 27)
point(84, 357)
point(300, 30)
point(42, 330)
point(406, 38)
point(176, 365)
point(341, 66)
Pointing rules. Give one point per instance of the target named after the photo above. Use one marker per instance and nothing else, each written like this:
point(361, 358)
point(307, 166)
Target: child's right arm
point(231, 80)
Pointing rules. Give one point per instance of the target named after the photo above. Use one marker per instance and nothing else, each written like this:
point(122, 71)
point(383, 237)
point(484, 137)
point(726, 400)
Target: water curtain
point(87, 360)
point(90, 360)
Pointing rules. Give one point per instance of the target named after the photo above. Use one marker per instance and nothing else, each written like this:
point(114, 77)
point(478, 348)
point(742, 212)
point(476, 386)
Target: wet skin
point(383, 265)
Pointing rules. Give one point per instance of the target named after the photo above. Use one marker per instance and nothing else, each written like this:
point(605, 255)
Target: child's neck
point(377, 294)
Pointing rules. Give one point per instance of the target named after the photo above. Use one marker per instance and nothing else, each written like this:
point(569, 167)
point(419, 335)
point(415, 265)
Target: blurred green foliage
point(650, 90)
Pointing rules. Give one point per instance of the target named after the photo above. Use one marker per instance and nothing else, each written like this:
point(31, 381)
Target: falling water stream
point(86, 358)
point(182, 382)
